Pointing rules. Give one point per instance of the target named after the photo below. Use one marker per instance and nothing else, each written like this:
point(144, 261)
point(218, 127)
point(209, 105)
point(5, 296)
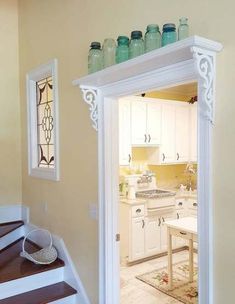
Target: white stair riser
point(68, 300)
point(11, 213)
point(32, 282)
point(11, 237)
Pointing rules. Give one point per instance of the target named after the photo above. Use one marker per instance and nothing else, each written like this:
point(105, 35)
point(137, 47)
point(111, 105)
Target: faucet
point(146, 178)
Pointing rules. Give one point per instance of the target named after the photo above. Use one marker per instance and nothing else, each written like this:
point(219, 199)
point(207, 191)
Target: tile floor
point(134, 291)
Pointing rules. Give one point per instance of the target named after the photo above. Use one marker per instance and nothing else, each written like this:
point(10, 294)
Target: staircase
point(23, 282)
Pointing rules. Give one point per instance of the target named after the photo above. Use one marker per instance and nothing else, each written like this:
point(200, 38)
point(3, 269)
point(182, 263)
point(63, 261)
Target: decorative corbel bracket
point(205, 68)
point(90, 96)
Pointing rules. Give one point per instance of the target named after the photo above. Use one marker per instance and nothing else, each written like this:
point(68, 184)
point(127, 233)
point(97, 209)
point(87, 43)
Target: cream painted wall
point(64, 29)
point(10, 155)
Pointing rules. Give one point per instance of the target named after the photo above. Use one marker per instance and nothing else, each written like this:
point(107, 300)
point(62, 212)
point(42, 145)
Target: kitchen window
point(42, 91)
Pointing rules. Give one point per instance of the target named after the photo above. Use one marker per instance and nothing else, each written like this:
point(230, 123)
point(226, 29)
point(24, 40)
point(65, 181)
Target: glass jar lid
point(169, 27)
point(95, 45)
point(152, 28)
point(183, 20)
point(136, 35)
point(123, 40)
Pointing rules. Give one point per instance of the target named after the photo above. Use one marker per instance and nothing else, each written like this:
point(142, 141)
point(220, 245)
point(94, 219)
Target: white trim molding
point(189, 60)
point(39, 73)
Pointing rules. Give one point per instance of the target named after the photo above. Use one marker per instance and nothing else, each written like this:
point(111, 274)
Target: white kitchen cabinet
point(138, 123)
point(178, 137)
point(182, 134)
point(145, 122)
point(193, 132)
point(137, 239)
point(168, 153)
point(152, 236)
point(154, 122)
point(124, 132)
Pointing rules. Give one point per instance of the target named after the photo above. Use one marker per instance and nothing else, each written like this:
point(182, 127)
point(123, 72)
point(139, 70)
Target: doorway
point(157, 185)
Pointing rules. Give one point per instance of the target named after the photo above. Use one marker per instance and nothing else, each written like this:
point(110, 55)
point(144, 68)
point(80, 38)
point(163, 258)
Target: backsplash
point(168, 176)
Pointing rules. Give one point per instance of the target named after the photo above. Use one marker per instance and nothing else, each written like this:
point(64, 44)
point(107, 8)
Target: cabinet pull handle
point(129, 158)
point(163, 156)
point(149, 138)
point(145, 138)
point(163, 220)
point(194, 204)
point(180, 204)
point(138, 210)
point(143, 223)
point(183, 233)
point(178, 216)
point(159, 222)
point(178, 156)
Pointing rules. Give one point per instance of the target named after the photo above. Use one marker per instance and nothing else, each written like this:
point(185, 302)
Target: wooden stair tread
point(42, 295)
point(6, 228)
point(13, 266)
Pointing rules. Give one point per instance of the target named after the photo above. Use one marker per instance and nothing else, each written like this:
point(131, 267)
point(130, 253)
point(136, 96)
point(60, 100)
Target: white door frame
point(103, 102)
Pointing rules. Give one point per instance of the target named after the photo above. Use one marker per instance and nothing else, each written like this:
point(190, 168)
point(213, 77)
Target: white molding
point(12, 237)
point(45, 70)
point(70, 273)
point(192, 59)
point(14, 212)
point(90, 97)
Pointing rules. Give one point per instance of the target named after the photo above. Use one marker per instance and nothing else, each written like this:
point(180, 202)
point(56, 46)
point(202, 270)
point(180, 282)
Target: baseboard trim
point(14, 212)
point(159, 255)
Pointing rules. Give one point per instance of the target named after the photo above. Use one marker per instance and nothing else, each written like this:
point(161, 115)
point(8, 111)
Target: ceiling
point(189, 89)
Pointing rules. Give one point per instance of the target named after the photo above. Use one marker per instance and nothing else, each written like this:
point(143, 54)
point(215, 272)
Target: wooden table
point(185, 228)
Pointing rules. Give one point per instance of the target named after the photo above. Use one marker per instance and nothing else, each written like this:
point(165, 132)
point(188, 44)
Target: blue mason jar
point(136, 47)
point(169, 34)
point(122, 51)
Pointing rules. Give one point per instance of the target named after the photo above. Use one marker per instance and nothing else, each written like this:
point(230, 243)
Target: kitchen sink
point(157, 199)
point(153, 194)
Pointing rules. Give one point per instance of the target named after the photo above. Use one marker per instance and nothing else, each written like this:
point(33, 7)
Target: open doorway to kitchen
point(158, 196)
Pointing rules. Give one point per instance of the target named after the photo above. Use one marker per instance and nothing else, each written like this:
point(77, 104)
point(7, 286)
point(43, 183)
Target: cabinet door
point(154, 112)
point(182, 132)
point(124, 132)
point(137, 238)
point(152, 236)
point(138, 123)
point(193, 132)
point(168, 133)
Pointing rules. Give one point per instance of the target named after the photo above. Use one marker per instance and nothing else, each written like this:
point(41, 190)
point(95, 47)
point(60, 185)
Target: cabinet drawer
point(182, 234)
point(137, 211)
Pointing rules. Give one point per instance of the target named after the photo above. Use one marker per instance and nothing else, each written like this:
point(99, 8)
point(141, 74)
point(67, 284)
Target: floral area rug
point(183, 291)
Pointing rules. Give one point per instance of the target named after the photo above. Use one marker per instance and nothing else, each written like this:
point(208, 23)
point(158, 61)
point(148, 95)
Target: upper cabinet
point(124, 132)
point(145, 122)
point(175, 147)
point(193, 132)
point(167, 128)
point(182, 132)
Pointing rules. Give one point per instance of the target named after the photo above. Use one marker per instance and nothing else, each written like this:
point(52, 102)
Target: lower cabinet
point(152, 236)
point(137, 238)
point(144, 235)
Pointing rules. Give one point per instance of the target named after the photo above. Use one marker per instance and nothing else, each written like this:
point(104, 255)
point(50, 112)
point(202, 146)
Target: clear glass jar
point(122, 51)
point(109, 52)
point(95, 58)
point(169, 34)
point(153, 39)
point(183, 29)
point(136, 46)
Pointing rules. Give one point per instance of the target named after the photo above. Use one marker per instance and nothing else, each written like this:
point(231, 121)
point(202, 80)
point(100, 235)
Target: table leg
point(170, 274)
point(190, 260)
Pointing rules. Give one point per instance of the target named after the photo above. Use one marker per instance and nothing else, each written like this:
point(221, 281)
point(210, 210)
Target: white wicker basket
point(45, 255)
